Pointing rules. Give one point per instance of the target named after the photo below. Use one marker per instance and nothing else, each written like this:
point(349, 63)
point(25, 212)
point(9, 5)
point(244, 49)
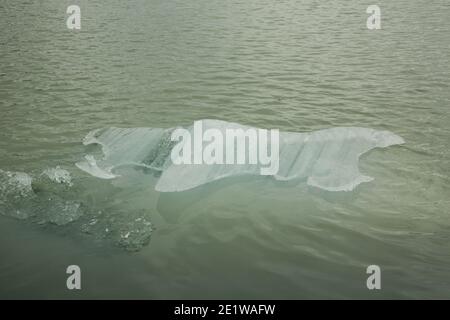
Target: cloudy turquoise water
point(293, 65)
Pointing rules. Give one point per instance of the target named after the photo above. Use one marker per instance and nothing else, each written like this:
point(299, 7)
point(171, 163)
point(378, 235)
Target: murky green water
point(292, 65)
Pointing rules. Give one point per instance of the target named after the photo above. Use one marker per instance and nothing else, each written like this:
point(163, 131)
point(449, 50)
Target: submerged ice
point(52, 198)
point(327, 159)
point(58, 175)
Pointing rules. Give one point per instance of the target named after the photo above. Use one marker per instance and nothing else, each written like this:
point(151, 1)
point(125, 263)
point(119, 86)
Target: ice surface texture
point(327, 159)
point(52, 198)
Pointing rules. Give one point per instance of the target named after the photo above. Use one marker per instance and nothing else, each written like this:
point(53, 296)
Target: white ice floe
point(327, 159)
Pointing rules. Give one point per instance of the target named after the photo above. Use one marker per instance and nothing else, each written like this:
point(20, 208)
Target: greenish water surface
point(293, 65)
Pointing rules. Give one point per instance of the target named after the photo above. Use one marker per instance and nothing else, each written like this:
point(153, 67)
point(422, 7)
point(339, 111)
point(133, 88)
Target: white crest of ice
point(125, 146)
point(90, 166)
point(327, 159)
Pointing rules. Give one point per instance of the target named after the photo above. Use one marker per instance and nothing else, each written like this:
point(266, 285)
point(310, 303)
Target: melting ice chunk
point(59, 175)
point(327, 159)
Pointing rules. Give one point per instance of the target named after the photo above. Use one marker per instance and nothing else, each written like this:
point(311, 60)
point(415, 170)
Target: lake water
point(293, 65)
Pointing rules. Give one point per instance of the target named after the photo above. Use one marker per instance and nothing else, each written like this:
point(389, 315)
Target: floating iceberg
point(327, 159)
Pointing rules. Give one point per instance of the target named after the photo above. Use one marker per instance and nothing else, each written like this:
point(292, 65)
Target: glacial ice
point(53, 198)
point(22, 196)
point(15, 191)
point(327, 159)
point(59, 175)
point(14, 184)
